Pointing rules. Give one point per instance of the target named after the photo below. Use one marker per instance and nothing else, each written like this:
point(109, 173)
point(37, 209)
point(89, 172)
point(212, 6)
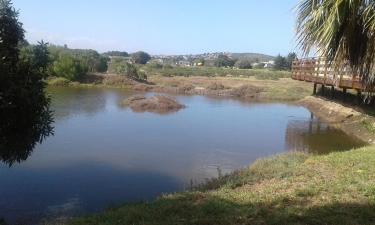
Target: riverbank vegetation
point(294, 188)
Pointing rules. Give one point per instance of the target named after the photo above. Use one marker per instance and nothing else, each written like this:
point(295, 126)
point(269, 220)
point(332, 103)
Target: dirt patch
point(157, 104)
point(345, 118)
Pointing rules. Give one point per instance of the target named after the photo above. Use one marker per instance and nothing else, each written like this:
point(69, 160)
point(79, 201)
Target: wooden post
point(314, 91)
point(359, 96)
point(323, 87)
point(311, 123)
point(332, 92)
point(325, 72)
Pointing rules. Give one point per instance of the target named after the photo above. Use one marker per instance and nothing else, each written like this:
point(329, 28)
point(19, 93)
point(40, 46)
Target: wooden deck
point(319, 71)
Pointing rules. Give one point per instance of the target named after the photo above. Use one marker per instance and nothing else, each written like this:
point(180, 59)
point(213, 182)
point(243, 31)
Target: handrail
point(319, 70)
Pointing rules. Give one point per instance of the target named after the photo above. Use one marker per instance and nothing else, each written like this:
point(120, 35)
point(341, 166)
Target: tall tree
point(24, 108)
point(11, 35)
point(289, 60)
point(342, 31)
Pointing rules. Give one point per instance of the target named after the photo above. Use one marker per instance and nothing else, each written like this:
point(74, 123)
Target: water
point(102, 154)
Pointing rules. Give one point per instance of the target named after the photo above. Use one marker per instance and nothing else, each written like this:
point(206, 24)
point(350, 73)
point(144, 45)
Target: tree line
point(74, 64)
point(280, 62)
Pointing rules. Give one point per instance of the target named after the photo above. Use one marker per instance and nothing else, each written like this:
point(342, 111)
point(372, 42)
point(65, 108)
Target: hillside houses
point(208, 59)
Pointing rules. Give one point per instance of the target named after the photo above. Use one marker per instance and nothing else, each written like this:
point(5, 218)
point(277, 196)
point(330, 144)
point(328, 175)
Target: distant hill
point(252, 56)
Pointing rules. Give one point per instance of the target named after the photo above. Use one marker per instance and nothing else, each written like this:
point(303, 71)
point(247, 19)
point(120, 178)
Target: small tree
point(141, 57)
point(131, 71)
point(243, 64)
point(280, 63)
point(224, 61)
point(289, 60)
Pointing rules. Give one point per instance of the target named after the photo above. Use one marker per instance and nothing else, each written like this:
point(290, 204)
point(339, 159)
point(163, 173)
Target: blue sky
point(163, 26)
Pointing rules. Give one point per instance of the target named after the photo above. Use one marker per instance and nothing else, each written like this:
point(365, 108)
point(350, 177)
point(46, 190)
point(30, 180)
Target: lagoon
point(103, 154)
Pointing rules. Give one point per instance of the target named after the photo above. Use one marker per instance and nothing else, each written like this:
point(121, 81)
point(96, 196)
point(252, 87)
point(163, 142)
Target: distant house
point(184, 63)
point(269, 64)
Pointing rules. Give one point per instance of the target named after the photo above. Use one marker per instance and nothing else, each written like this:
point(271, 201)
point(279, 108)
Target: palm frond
point(342, 31)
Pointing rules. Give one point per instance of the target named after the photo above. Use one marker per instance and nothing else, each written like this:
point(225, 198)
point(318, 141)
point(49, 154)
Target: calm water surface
point(103, 154)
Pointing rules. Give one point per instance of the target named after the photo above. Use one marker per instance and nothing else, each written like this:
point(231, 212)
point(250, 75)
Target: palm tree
point(343, 31)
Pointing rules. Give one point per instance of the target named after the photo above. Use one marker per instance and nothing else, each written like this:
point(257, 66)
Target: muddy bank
point(157, 104)
point(351, 121)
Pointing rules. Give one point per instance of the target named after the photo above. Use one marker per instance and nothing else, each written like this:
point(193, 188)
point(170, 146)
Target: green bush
point(58, 81)
point(243, 64)
point(155, 65)
point(121, 67)
point(167, 66)
point(140, 57)
point(224, 61)
point(73, 64)
point(69, 67)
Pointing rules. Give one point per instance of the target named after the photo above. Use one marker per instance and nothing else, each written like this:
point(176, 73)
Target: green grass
point(294, 188)
point(58, 81)
point(370, 127)
point(262, 74)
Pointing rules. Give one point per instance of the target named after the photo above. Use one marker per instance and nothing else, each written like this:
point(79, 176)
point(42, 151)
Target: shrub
point(142, 75)
point(167, 66)
point(155, 65)
point(69, 67)
point(224, 61)
point(129, 70)
point(141, 57)
point(58, 81)
point(243, 64)
point(216, 86)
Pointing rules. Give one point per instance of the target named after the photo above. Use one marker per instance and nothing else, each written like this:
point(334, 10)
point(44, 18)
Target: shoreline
point(346, 118)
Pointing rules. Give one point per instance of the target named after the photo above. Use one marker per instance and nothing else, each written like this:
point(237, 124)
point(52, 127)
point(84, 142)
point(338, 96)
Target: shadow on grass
point(199, 209)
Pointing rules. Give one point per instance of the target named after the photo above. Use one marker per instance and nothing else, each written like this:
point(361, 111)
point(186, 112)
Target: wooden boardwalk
point(320, 71)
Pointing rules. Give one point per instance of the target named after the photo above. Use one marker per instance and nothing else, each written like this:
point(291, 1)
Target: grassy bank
point(294, 188)
point(283, 89)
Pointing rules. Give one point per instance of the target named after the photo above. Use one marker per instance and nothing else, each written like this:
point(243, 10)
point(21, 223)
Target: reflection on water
point(103, 154)
point(313, 136)
point(24, 124)
point(73, 101)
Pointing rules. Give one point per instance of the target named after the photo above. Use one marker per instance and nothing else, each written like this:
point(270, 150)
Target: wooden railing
point(320, 71)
